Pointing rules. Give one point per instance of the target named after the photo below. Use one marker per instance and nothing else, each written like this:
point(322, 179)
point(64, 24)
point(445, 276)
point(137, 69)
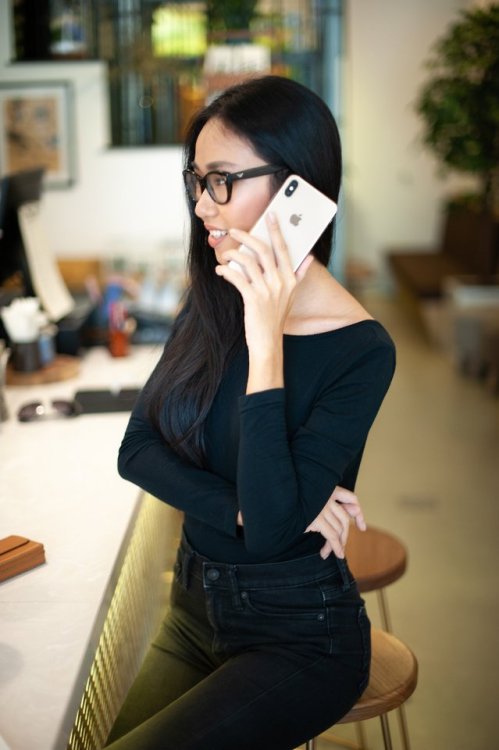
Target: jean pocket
point(294, 617)
point(301, 603)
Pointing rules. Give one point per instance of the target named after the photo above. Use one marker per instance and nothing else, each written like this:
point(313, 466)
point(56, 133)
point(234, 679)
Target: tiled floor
point(431, 476)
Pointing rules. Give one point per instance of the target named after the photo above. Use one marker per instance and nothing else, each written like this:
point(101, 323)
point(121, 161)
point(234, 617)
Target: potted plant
point(230, 18)
point(459, 103)
point(232, 54)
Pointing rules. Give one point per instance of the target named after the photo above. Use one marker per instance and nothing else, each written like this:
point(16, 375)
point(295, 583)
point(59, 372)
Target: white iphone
point(303, 213)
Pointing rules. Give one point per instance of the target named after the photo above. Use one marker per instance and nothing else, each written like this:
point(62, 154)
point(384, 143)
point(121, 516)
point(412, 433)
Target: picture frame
point(37, 129)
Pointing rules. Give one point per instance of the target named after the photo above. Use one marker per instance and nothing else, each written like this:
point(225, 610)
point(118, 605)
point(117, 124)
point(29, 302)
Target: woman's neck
point(322, 304)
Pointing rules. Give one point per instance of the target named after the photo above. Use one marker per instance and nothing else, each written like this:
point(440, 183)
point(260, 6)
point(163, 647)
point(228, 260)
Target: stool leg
point(385, 728)
point(383, 608)
point(361, 735)
point(310, 744)
point(385, 620)
point(403, 728)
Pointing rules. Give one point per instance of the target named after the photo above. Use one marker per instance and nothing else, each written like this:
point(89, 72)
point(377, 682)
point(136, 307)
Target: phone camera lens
point(291, 188)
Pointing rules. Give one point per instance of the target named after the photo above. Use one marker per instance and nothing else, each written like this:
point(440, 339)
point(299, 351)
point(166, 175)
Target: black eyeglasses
point(37, 410)
point(219, 184)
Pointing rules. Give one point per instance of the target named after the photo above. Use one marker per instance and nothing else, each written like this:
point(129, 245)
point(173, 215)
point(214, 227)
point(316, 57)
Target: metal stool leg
point(385, 728)
point(361, 735)
point(385, 620)
point(383, 608)
point(311, 744)
point(343, 741)
point(404, 733)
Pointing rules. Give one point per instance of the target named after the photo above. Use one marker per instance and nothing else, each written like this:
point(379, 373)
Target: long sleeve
point(145, 459)
point(276, 455)
point(285, 480)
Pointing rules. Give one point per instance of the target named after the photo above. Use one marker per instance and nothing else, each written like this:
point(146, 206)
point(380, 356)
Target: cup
point(26, 356)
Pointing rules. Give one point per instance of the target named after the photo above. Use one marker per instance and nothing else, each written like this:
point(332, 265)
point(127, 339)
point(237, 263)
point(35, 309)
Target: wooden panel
point(76, 271)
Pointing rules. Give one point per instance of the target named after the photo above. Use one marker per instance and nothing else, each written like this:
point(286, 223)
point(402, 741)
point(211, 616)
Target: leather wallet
point(18, 554)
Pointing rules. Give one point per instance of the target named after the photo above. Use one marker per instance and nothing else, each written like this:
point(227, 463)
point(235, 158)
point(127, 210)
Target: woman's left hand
point(333, 522)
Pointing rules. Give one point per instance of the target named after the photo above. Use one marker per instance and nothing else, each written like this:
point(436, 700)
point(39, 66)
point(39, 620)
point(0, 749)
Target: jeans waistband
point(295, 572)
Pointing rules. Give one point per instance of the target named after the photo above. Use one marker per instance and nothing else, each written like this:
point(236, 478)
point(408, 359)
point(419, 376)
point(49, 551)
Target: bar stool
point(393, 679)
point(376, 559)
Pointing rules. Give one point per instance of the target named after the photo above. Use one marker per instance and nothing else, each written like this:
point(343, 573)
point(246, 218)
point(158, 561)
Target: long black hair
point(288, 125)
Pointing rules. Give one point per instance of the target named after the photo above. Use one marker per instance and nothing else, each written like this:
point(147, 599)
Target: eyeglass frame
point(230, 178)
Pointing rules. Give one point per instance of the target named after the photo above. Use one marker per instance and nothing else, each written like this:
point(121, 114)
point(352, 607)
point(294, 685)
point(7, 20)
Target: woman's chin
point(221, 256)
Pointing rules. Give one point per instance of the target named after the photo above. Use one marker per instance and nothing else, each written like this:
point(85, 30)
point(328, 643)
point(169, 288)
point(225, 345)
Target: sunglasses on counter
point(36, 410)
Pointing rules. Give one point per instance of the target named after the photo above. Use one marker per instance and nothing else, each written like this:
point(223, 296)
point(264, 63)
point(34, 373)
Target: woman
point(253, 424)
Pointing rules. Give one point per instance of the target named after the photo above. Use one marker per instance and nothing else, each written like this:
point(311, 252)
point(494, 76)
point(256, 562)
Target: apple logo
point(295, 219)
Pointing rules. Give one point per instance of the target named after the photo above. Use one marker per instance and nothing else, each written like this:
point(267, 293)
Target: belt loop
point(234, 587)
point(345, 578)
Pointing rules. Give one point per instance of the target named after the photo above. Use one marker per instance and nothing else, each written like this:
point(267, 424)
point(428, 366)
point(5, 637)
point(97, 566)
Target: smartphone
point(303, 213)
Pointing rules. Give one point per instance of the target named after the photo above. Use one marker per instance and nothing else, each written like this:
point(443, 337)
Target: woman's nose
point(205, 206)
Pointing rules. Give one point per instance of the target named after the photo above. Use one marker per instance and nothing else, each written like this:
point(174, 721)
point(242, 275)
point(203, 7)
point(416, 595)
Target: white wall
point(394, 194)
point(130, 201)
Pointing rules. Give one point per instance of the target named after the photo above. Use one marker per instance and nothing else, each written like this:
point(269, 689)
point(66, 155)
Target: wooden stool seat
point(394, 676)
point(393, 679)
point(376, 558)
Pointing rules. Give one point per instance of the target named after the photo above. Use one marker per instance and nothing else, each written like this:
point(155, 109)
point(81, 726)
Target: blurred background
point(98, 94)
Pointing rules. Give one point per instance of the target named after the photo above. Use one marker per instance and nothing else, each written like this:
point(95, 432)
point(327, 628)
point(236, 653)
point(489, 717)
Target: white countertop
point(59, 486)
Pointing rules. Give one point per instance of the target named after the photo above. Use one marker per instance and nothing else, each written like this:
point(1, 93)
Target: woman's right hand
point(333, 522)
point(267, 286)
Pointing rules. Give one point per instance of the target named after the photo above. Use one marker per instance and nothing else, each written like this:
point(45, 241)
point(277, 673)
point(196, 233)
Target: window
point(165, 59)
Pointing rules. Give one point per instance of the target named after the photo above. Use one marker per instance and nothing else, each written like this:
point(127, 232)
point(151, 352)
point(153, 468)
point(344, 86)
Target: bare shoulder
point(323, 304)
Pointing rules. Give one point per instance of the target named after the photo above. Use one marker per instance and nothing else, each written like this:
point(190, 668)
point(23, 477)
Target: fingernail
point(271, 216)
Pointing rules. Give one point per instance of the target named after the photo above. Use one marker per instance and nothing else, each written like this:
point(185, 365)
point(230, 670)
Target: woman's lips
point(215, 237)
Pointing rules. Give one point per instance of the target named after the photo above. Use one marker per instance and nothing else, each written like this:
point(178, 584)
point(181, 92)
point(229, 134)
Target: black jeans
point(249, 657)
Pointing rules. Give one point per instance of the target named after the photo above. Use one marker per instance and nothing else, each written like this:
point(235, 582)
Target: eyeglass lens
point(216, 184)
